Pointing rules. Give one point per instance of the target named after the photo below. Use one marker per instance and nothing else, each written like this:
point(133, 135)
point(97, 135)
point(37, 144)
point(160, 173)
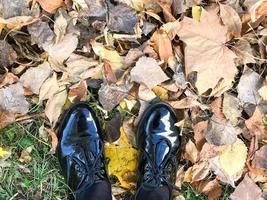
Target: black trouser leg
point(161, 193)
point(98, 191)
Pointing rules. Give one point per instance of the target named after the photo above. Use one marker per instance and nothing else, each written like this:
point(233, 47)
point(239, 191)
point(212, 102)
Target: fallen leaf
point(132, 56)
point(55, 104)
point(3, 153)
point(49, 88)
point(232, 159)
point(220, 132)
point(145, 93)
point(62, 50)
point(232, 108)
point(196, 12)
point(41, 34)
point(231, 19)
point(54, 140)
point(34, 77)
point(191, 152)
point(16, 23)
point(260, 158)
point(13, 8)
point(162, 44)
point(187, 102)
point(256, 125)
point(199, 133)
point(216, 107)
point(96, 8)
point(6, 118)
point(148, 72)
point(78, 92)
point(161, 92)
point(200, 171)
point(50, 5)
point(212, 189)
point(228, 165)
point(112, 56)
point(123, 161)
point(8, 79)
point(244, 52)
point(209, 151)
point(12, 99)
point(207, 54)
point(247, 190)
point(81, 68)
point(25, 156)
point(7, 54)
point(263, 92)
point(248, 86)
point(122, 18)
point(61, 24)
point(112, 128)
point(111, 95)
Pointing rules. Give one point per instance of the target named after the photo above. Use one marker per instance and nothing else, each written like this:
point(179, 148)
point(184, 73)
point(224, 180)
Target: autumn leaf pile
point(205, 58)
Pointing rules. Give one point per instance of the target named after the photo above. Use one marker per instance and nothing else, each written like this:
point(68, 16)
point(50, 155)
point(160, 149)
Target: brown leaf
point(200, 171)
point(199, 133)
point(122, 18)
point(148, 72)
point(78, 92)
point(41, 34)
point(231, 19)
point(13, 100)
point(62, 50)
point(50, 5)
point(6, 118)
point(96, 8)
point(191, 152)
point(18, 22)
point(231, 108)
point(54, 140)
point(8, 79)
point(7, 54)
point(145, 93)
point(244, 52)
point(255, 124)
point(206, 53)
point(49, 88)
point(34, 77)
point(187, 102)
point(260, 159)
point(25, 155)
point(162, 44)
point(220, 132)
point(132, 56)
point(209, 151)
point(112, 128)
point(55, 104)
point(216, 107)
point(111, 95)
point(212, 189)
point(248, 86)
point(247, 190)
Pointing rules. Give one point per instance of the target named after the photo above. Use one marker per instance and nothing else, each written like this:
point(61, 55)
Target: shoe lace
point(93, 172)
point(155, 176)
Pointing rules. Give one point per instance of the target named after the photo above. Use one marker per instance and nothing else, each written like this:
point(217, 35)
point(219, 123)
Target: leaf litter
point(206, 59)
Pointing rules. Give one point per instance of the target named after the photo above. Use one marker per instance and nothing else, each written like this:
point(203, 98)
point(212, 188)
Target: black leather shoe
point(80, 150)
point(158, 140)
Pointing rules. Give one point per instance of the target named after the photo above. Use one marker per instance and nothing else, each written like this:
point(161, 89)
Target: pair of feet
point(80, 150)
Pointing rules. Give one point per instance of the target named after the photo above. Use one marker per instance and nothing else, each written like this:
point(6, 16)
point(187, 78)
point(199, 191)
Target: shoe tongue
point(161, 151)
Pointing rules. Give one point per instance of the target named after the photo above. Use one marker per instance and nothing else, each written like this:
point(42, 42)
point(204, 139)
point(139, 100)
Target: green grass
point(37, 178)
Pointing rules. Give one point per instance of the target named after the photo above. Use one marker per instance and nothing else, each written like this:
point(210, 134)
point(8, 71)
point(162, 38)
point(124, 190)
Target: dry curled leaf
point(207, 54)
point(191, 152)
point(78, 92)
point(55, 104)
point(54, 140)
point(6, 118)
point(49, 88)
point(7, 54)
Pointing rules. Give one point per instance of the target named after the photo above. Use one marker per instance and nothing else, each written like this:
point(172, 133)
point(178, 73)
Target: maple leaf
point(206, 52)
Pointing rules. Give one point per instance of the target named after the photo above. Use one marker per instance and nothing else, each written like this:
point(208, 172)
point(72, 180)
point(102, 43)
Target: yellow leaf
point(112, 56)
point(233, 158)
point(123, 161)
point(3, 152)
point(196, 12)
point(161, 92)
